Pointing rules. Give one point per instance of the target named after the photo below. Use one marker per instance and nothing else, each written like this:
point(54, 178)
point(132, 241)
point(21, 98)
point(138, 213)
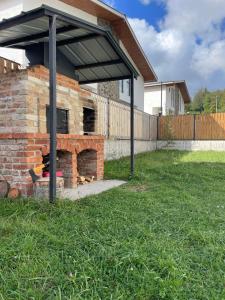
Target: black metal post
point(161, 113)
point(194, 128)
point(53, 112)
point(132, 126)
point(108, 118)
point(158, 128)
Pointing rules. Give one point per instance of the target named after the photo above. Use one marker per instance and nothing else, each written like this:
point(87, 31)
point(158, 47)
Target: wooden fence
point(113, 121)
point(192, 127)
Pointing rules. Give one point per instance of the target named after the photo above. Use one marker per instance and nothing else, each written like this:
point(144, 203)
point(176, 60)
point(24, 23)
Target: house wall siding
point(172, 100)
point(153, 99)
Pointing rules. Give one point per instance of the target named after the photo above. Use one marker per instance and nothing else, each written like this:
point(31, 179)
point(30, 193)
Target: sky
point(183, 39)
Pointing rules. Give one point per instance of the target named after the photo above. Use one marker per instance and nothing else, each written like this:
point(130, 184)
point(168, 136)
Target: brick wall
point(24, 95)
point(8, 65)
point(21, 152)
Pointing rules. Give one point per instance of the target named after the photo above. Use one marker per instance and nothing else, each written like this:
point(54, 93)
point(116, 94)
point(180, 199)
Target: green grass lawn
point(161, 236)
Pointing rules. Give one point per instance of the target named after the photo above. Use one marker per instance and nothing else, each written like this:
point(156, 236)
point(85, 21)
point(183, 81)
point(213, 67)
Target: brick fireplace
point(24, 138)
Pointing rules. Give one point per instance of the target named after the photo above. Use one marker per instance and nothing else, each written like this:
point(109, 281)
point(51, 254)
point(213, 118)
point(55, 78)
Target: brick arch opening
point(87, 163)
point(66, 163)
point(62, 145)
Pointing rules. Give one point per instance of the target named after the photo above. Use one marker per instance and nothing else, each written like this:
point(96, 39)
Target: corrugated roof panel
point(113, 70)
point(123, 69)
point(107, 47)
point(98, 51)
point(26, 29)
point(71, 56)
point(80, 51)
point(89, 74)
point(81, 76)
point(96, 47)
point(99, 71)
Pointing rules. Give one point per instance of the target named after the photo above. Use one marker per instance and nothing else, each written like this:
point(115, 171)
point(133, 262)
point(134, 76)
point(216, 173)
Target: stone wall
point(192, 145)
point(109, 90)
point(115, 149)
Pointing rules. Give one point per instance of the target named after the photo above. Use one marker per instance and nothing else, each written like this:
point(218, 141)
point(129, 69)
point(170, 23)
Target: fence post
point(158, 128)
point(194, 128)
point(149, 127)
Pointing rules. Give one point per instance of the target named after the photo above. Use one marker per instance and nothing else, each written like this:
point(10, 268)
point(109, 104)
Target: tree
point(198, 102)
point(208, 102)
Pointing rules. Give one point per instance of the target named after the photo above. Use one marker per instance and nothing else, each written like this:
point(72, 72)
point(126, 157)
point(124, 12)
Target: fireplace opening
point(62, 120)
point(88, 120)
point(87, 165)
point(63, 167)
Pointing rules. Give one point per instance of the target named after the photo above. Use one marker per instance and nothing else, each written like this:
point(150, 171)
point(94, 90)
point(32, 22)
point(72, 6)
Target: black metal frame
point(73, 23)
point(53, 108)
point(132, 126)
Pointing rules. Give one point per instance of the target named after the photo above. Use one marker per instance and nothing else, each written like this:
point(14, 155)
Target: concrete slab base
point(192, 145)
point(90, 189)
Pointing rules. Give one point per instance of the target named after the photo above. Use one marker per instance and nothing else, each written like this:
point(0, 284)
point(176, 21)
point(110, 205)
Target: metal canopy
point(92, 50)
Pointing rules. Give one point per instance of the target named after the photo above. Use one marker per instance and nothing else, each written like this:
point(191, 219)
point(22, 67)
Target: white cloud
point(190, 43)
point(145, 2)
point(207, 60)
point(110, 2)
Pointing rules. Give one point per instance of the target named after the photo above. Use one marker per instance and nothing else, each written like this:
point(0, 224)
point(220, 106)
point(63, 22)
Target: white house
point(166, 98)
point(98, 13)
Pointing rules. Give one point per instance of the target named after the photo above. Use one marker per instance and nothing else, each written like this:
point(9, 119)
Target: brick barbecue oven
point(24, 138)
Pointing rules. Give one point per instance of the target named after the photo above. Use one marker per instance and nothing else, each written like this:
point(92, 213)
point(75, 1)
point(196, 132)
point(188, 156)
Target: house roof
point(181, 84)
point(91, 49)
point(123, 30)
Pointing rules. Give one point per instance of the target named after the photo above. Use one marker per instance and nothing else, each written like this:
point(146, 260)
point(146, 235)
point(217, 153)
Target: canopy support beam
point(132, 126)
point(53, 112)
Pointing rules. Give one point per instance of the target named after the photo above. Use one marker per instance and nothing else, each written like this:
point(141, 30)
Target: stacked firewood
point(85, 179)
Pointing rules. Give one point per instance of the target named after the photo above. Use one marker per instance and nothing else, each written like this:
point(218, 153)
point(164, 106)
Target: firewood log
point(4, 188)
point(89, 179)
point(81, 178)
point(13, 193)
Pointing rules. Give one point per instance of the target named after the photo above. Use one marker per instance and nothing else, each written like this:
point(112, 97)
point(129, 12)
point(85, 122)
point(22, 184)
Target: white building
point(98, 13)
point(168, 98)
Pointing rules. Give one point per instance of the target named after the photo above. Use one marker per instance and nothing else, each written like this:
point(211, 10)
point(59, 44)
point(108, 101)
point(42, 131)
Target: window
point(172, 98)
point(88, 120)
point(62, 120)
point(128, 87)
point(122, 86)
